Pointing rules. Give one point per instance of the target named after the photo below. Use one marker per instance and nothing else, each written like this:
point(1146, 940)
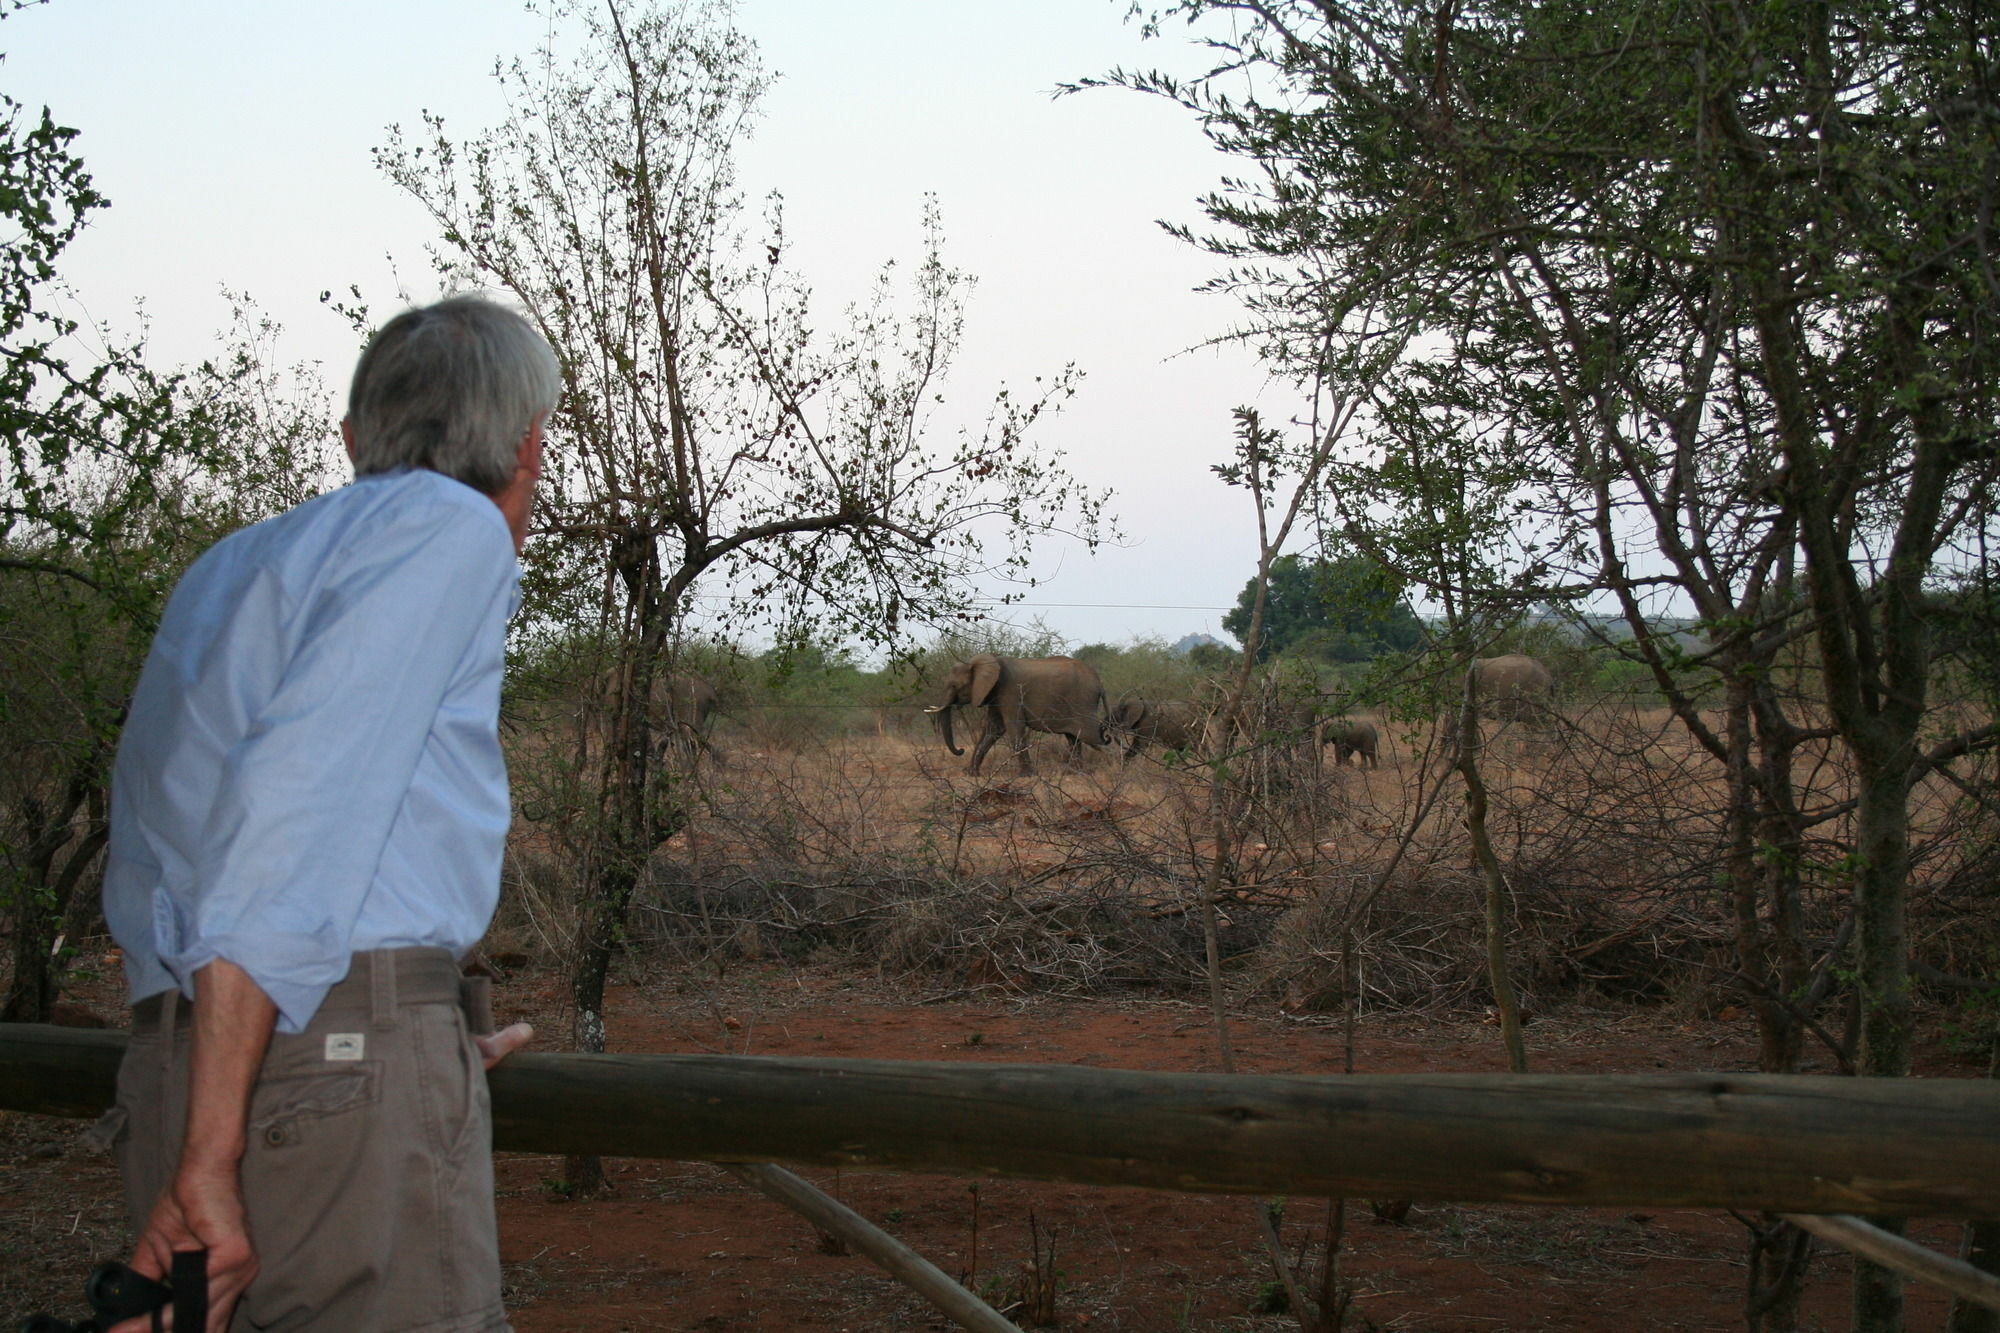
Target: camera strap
point(190, 1284)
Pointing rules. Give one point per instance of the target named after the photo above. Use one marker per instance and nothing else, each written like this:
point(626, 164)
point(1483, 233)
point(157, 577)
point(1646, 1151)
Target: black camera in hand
point(116, 1293)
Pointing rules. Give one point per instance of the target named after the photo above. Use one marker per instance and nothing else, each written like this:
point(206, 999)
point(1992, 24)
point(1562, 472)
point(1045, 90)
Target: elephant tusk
point(936, 708)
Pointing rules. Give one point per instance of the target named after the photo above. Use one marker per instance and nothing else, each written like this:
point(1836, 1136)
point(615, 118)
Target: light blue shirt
point(311, 764)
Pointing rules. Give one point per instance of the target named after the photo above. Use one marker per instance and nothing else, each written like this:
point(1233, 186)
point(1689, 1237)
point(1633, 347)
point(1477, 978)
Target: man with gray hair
point(307, 820)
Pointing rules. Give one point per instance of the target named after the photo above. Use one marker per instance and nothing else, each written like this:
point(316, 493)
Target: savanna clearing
point(861, 896)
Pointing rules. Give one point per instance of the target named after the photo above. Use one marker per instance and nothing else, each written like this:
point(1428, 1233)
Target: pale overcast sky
point(233, 137)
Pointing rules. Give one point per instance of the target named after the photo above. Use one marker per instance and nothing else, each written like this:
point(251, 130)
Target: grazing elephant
point(1173, 724)
point(1059, 695)
point(1513, 688)
point(1351, 736)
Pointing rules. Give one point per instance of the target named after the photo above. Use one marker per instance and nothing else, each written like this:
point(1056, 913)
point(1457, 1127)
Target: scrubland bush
point(833, 836)
point(1148, 667)
point(807, 693)
point(1345, 887)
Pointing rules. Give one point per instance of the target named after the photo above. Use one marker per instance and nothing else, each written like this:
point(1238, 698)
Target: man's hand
point(200, 1210)
point(497, 1046)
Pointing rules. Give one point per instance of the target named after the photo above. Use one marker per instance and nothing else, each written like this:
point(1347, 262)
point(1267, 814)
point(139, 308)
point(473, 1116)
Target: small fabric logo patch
point(344, 1045)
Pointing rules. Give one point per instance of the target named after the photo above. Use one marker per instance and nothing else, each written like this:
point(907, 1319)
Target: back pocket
point(285, 1108)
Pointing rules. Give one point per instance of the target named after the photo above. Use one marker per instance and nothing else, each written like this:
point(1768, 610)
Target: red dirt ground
point(682, 1246)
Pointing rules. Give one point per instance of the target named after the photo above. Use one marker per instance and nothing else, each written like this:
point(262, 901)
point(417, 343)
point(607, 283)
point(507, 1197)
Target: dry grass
point(1339, 883)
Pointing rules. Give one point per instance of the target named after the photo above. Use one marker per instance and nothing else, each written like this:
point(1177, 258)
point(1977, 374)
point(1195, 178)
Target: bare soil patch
point(682, 1246)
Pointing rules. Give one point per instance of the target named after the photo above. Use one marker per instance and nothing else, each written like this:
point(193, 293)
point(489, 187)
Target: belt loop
point(382, 989)
point(475, 1000)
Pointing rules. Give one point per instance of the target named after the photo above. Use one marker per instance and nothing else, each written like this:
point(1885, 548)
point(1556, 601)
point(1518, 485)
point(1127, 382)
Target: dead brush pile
point(872, 854)
point(970, 932)
point(863, 853)
point(1608, 842)
point(1416, 941)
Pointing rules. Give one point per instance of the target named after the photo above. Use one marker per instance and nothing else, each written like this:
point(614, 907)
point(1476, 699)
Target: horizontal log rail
point(1793, 1144)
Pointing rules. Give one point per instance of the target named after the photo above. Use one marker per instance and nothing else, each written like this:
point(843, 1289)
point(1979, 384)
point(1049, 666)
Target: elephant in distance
point(1352, 737)
point(1173, 724)
point(686, 705)
point(680, 713)
point(1059, 695)
point(1513, 688)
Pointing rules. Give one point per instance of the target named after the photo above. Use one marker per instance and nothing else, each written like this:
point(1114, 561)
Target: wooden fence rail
point(1794, 1144)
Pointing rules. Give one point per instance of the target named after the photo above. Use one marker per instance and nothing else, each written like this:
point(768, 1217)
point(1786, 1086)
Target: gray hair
point(451, 387)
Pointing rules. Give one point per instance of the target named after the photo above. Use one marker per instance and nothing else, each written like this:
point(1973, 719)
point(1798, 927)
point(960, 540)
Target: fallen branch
point(1903, 1255)
point(899, 1260)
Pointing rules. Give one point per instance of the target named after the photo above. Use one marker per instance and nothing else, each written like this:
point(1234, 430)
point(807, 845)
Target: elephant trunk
point(943, 716)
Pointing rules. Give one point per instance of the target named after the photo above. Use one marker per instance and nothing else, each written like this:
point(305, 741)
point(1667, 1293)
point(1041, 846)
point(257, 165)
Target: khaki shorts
point(368, 1180)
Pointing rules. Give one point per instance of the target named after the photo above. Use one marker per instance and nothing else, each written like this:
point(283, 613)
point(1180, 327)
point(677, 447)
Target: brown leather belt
point(376, 980)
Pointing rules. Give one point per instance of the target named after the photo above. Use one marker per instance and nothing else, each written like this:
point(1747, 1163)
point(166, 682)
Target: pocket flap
point(310, 1096)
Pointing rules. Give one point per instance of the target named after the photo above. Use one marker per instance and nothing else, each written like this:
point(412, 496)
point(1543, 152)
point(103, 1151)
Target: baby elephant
point(1351, 736)
point(1172, 723)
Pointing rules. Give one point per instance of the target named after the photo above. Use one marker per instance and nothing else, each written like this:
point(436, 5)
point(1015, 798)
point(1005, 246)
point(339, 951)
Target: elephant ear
point(985, 679)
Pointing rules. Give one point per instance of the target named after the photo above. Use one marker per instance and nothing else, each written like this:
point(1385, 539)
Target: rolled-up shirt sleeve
point(309, 793)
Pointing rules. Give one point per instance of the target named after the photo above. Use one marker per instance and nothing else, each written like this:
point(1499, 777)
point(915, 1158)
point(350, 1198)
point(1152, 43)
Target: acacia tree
point(714, 430)
point(112, 475)
point(51, 823)
point(82, 589)
point(1708, 285)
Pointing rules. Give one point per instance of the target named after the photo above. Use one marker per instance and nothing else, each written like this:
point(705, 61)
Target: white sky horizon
point(233, 140)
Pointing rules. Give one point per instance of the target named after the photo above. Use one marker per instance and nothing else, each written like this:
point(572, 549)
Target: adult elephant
point(681, 712)
point(1352, 736)
point(1513, 688)
point(1173, 724)
point(685, 704)
point(1059, 695)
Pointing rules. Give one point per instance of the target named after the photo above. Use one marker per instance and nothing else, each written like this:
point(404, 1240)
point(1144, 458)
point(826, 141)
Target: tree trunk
point(629, 825)
point(1881, 854)
point(1745, 879)
point(1781, 835)
point(41, 902)
point(611, 897)
point(1980, 1247)
point(31, 990)
point(1500, 974)
point(1779, 1255)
